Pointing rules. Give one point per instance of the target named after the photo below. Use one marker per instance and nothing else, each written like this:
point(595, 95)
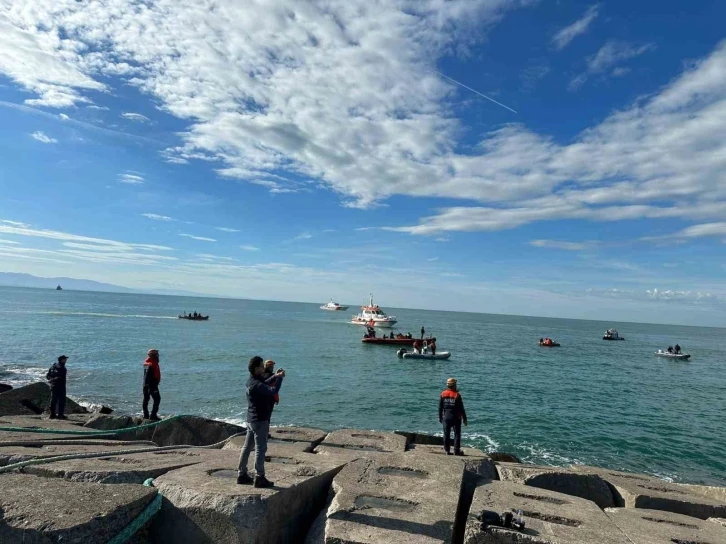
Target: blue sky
point(303, 150)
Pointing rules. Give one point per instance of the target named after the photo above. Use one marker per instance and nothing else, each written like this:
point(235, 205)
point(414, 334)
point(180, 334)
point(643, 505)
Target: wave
point(99, 314)
point(21, 375)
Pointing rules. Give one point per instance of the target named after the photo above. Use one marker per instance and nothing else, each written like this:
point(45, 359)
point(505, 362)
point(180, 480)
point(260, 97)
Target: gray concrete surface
point(550, 517)
point(204, 504)
point(402, 498)
point(473, 460)
point(589, 486)
point(305, 439)
point(640, 491)
point(644, 526)
point(358, 442)
point(51, 511)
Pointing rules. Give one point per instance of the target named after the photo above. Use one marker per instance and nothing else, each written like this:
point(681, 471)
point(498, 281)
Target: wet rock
point(33, 399)
point(5, 387)
point(204, 504)
point(103, 409)
point(644, 526)
point(183, 431)
point(550, 517)
point(640, 491)
point(355, 443)
point(589, 486)
point(120, 467)
point(402, 498)
point(46, 511)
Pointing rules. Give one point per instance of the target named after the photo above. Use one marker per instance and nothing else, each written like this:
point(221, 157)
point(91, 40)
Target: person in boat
point(425, 347)
point(541, 340)
point(409, 336)
point(432, 346)
point(670, 349)
point(417, 346)
point(259, 395)
point(423, 331)
point(677, 349)
point(152, 379)
point(371, 332)
point(451, 415)
point(399, 336)
point(56, 377)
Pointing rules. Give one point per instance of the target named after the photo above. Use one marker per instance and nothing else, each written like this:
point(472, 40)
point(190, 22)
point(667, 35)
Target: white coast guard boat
point(373, 316)
point(333, 306)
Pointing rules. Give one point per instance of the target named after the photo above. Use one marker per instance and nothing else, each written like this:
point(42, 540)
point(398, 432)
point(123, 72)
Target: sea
point(609, 404)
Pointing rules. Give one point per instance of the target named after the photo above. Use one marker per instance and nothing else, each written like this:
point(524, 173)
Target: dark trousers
point(151, 392)
point(456, 426)
point(57, 401)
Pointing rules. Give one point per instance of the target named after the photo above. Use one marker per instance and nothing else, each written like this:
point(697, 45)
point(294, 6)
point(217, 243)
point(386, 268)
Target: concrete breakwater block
point(120, 467)
point(17, 453)
point(401, 498)
point(586, 485)
point(355, 443)
point(33, 399)
point(44, 511)
point(33, 421)
point(641, 491)
point(304, 438)
point(644, 526)
point(550, 517)
point(204, 504)
point(184, 431)
point(473, 460)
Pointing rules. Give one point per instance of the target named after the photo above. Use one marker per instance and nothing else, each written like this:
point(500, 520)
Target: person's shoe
point(244, 479)
point(261, 481)
point(52, 416)
point(146, 416)
point(61, 417)
point(154, 417)
point(448, 453)
point(459, 453)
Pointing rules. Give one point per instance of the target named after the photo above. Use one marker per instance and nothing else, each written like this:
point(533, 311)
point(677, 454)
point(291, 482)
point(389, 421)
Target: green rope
point(142, 519)
point(89, 433)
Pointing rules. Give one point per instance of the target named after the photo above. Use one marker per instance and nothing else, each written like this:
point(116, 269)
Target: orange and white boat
point(372, 316)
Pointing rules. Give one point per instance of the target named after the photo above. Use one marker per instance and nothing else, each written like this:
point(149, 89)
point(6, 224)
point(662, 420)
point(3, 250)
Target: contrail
point(475, 91)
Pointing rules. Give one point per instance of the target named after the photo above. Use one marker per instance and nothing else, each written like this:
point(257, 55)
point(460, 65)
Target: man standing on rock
point(451, 414)
point(152, 379)
point(260, 399)
point(56, 377)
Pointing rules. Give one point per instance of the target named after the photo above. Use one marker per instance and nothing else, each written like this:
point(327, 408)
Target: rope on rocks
point(91, 433)
point(142, 519)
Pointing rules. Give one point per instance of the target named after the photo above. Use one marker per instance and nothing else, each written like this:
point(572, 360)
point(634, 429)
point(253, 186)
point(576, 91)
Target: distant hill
point(14, 279)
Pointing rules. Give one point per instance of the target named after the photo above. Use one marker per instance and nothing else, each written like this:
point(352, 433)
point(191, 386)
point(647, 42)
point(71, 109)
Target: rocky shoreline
point(343, 487)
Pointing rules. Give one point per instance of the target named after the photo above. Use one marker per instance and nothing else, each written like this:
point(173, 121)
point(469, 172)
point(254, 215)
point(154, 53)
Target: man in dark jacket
point(152, 379)
point(260, 399)
point(451, 414)
point(56, 377)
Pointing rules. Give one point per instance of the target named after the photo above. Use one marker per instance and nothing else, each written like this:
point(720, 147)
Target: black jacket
point(56, 376)
point(451, 407)
point(260, 398)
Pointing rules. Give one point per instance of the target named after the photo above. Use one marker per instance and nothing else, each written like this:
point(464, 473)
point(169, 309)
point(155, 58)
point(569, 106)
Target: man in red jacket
point(451, 414)
point(152, 379)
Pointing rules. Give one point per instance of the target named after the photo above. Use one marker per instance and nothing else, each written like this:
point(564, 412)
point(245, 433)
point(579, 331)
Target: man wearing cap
point(152, 379)
point(260, 398)
point(451, 414)
point(56, 377)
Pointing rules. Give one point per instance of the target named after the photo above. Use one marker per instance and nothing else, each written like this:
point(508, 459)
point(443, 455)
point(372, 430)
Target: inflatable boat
point(683, 356)
point(194, 318)
point(395, 341)
point(404, 354)
point(549, 345)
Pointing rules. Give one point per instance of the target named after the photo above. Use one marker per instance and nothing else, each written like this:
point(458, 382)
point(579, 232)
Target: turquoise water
point(609, 404)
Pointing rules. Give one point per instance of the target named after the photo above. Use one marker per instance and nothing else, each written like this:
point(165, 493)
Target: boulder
point(355, 443)
point(473, 460)
point(102, 409)
point(588, 486)
point(640, 491)
point(120, 467)
point(501, 457)
point(182, 431)
point(33, 399)
point(550, 517)
point(204, 504)
point(397, 497)
point(5, 387)
point(46, 511)
point(33, 422)
point(643, 526)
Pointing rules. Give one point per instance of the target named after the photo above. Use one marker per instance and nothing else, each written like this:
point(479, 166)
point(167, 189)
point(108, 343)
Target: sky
point(552, 158)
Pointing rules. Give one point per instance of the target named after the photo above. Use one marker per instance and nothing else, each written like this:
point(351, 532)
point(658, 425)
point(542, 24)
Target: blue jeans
point(256, 438)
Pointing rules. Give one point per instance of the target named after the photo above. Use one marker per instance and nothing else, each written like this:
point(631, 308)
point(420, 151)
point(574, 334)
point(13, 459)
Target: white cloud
point(157, 217)
point(705, 229)
point(9, 242)
point(608, 57)
point(132, 179)
point(139, 118)
point(63, 117)
point(303, 236)
point(14, 223)
point(43, 137)
point(563, 38)
point(558, 244)
point(227, 229)
point(249, 248)
point(200, 238)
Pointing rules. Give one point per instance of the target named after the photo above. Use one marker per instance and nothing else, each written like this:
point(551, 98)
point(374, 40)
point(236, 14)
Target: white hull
point(379, 323)
point(440, 355)
point(682, 356)
point(336, 309)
